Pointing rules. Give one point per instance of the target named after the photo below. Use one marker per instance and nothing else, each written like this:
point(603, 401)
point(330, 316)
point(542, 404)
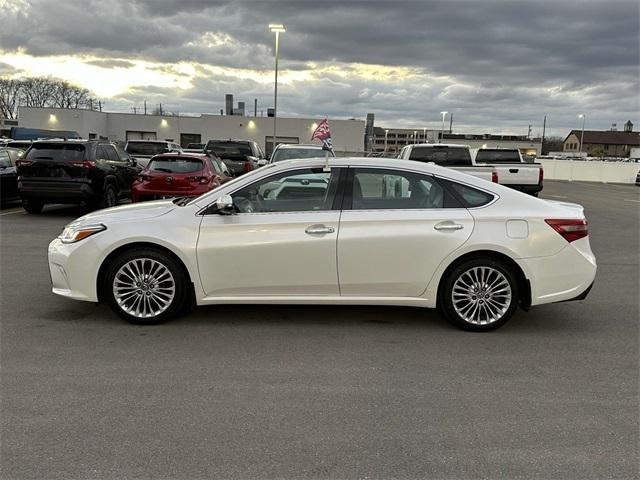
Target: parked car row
point(499, 165)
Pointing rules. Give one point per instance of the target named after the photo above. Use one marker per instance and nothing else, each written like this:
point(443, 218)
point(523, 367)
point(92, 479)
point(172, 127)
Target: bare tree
point(10, 90)
point(37, 92)
point(66, 95)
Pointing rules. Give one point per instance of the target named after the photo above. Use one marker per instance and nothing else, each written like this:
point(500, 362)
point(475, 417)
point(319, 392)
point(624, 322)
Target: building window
point(139, 135)
point(187, 138)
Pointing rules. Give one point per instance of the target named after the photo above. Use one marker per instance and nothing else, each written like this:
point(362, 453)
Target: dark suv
point(240, 156)
point(95, 173)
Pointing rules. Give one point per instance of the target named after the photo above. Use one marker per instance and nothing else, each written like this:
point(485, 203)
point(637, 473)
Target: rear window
point(148, 149)
point(175, 165)
point(497, 156)
point(289, 153)
point(446, 156)
point(471, 197)
point(231, 150)
point(59, 152)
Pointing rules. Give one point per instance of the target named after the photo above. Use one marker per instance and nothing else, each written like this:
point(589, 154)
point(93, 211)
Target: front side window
point(382, 189)
point(302, 190)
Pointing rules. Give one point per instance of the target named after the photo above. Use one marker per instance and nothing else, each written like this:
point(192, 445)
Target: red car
point(178, 175)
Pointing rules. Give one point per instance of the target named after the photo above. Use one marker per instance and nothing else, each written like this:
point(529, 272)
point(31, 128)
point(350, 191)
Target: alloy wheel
point(481, 295)
point(144, 288)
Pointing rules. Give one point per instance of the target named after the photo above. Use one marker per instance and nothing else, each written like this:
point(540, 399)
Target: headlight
point(72, 234)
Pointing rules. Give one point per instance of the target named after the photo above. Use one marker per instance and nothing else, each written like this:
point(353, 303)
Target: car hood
point(127, 213)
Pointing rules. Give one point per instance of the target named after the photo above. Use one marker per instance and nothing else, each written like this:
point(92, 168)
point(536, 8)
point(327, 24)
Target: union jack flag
point(323, 133)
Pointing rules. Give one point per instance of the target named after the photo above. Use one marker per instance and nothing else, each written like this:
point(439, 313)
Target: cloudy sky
point(497, 65)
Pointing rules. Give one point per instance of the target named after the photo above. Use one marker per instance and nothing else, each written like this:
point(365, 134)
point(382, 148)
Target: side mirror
point(224, 205)
point(252, 158)
point(262, 162)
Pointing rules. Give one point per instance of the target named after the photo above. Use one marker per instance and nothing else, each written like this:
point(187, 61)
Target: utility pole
point(255, 107)
point(100, 104)
point(161, 109)
point(529, 132)
point(544, 131)
point(145, 107)
point(450, 123)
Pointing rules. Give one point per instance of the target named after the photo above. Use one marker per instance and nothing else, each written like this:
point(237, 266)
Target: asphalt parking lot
point(322, 392)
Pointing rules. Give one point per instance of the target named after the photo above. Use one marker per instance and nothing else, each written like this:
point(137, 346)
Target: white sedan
point(351, 231)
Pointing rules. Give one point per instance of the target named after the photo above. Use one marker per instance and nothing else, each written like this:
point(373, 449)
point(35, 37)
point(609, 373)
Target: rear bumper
point(141, 194)
point(56, 191)
point(530, 189)
point(565, 276)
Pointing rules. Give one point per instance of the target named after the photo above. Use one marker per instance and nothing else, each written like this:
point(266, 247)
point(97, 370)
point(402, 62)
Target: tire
point(145, 300)
point(109, 197)
point(474, 310)
point(32, 206)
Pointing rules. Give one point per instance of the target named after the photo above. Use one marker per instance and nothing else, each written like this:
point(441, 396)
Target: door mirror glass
point(252, 158)
point(262, 162)
point(224, 205)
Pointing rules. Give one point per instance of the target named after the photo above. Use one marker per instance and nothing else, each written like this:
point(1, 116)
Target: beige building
point(347, 135)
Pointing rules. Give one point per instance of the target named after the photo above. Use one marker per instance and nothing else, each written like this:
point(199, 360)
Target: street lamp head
point(444, 113)
point(582, 115)
point(277, 27)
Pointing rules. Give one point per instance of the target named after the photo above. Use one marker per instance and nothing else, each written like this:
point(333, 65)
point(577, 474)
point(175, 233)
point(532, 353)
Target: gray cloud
point(497, 65)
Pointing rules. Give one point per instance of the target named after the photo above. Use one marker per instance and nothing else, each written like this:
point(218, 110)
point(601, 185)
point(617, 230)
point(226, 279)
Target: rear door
point(395, 229)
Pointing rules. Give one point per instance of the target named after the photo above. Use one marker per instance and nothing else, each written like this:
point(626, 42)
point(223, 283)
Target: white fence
point(590, 171)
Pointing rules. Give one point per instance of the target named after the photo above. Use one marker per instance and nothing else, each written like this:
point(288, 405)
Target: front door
point(399, 227)
point(280, 241)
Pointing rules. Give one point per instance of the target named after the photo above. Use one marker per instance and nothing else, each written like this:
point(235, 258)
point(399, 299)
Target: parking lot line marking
point(20, 210)
point(630, 200)
point(557, 196)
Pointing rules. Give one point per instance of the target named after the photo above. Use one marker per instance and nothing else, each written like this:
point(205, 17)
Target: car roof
point(304, 146)
point(431, 145)
point(199, 156)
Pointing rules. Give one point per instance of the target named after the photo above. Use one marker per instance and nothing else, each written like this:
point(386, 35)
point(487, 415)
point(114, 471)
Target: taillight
point(570, 229)
point(248, 166)
point(84, 164)
point(23, 163)
point(494, 176)
point(201, 180)
point(540, 176)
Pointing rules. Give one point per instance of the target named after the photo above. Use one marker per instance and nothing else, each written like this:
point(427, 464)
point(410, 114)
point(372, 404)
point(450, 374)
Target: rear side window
point(442, 155)
point(59, 152)
point(497, 156)
point(175, 165)
point(470, 197)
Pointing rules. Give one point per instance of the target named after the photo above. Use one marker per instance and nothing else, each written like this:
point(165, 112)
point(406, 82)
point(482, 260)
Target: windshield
point(60, 152)
point(289, 153)
point(231, 150)
point(149, 149)
point(444, 155)
point(175, 165)
point(5, 162)
point(497, 156)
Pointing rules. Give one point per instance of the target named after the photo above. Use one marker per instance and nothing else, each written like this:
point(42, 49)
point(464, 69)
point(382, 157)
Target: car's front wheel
point(145, 286)
point(32, 206)
point(480, 294)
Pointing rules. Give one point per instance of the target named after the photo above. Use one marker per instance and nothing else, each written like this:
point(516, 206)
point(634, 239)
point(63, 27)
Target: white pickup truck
point(504, 166)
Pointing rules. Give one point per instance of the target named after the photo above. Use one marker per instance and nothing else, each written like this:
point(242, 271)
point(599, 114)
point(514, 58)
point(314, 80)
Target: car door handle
point(319, 229)
point(514, 170)
point(448, 226)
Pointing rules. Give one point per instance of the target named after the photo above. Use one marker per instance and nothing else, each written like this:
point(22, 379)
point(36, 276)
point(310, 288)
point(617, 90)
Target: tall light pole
point(444, 115)
point(386, 133)
point(276, 28)
point(424, 135)
point(415, 139)
point(583, 117)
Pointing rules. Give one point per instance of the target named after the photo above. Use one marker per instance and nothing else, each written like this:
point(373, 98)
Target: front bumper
point(73, 276)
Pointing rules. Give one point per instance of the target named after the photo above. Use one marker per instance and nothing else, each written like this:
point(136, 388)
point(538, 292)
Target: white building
point(348, 135)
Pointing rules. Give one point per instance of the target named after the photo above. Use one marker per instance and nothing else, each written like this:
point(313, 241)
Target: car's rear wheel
point(109, 197)
point(145, 286)
point(480, 294)
point(32, 206)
